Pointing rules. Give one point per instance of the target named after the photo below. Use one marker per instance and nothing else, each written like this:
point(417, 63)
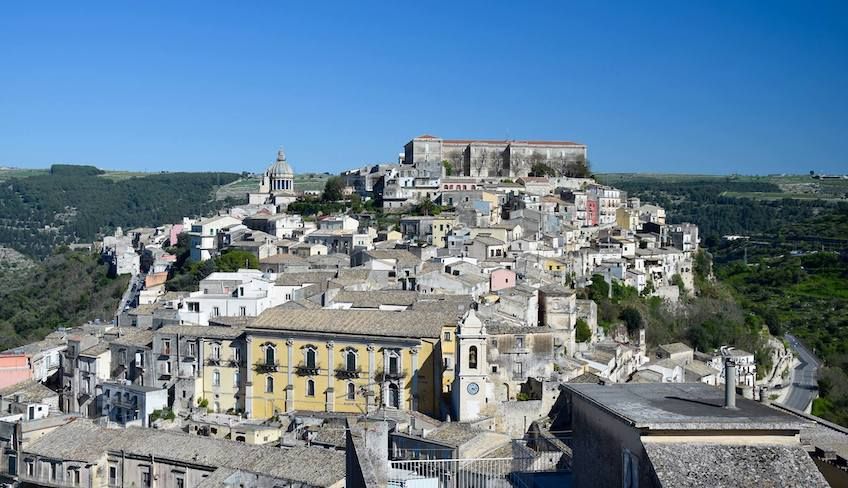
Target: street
point(804, 383)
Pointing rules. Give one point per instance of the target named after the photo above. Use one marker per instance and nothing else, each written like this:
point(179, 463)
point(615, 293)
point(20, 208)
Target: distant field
point(6, 173)
point(123, 175)
point(799, 187)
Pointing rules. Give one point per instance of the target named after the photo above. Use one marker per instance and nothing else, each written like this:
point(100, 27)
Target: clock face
point(473, 388)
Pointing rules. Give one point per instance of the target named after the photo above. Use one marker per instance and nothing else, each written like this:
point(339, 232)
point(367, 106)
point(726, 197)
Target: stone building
point(491, 158)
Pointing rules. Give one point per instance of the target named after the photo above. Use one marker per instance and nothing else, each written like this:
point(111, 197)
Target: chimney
point(729, 384)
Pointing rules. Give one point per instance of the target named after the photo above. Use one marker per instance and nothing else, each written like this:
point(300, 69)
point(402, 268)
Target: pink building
point(176, 230)
point(500, 279)
point(14, 368)
point(592, 212)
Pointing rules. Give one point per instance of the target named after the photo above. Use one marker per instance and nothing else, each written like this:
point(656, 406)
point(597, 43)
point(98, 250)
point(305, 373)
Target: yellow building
point(351, 361)
point(223, 372)
point(627, 218)
point(442, 226)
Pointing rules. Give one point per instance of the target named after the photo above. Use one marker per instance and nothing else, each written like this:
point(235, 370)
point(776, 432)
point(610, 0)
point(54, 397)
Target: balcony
point(304, 370)
point(213, 361)
point(234, 363)
point(343, 373)
point(381, 376)
point(263, 368)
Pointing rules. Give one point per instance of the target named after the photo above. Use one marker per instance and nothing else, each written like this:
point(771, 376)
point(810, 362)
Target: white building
point(203, 238)
point(131, 405)
point(244, 293)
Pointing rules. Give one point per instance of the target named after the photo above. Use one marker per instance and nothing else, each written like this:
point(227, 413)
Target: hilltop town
point(439, 320)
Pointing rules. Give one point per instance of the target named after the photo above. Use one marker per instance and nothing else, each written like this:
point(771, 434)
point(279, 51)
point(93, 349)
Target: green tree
point(632, 318)
point(541, 169)
point(333, 189)
point(583, 332)
point(677, 280)
point(448, 167)
point(599, 289)
point(235, 260)
point(356, 205)
point(427, 207)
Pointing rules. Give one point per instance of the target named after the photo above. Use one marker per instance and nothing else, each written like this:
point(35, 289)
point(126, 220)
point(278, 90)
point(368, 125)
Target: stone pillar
point(329, 396)
point(369, 393)
point(248, 384)
point(384, 385)
point(289, 375)
point(415, 393)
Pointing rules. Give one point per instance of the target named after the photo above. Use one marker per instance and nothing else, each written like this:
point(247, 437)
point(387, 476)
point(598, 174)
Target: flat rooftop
point(683, 406)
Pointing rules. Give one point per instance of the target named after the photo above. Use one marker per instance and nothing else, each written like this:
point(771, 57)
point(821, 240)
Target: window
point(216, 351)
point(166, 346)
point(242, 311)
point(180, 482)
point(53, 471)
point(166, 367)
point(447, 363)
point(350, 360)
point(13, 465)
point(518, 368)
point(310, 388)
point(145, 476)
point(113, 475)
point(269, 384)
point(519, 342)
point(30, 467)
point(472, 357)
point(394, 363)
point(216, 378)
point(237, 354)
point(192, 349)
point(216, 311)
point(192, 307)
point(122, 353)
point(74, 476)
point(236, 379)
point(447, 336)
point(270, 355)
point(310, 357)
point(351, 391)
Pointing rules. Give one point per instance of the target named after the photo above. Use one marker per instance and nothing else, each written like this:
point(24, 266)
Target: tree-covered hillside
point(66, 289)
point(77, 203)
point(790, 275)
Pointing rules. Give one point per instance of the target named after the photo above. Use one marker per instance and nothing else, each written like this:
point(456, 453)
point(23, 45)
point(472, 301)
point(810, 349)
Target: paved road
point(804, 383)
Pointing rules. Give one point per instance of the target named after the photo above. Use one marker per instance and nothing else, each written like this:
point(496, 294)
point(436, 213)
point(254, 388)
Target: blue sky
point(679, 86)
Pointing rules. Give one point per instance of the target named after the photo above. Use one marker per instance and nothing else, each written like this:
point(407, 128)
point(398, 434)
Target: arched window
point(310, 388)
point(394, 396)
point(350, 360)
point(269, 384)
point(472, 357)
point(270, 355)
point(310, 357)
point(351, 391)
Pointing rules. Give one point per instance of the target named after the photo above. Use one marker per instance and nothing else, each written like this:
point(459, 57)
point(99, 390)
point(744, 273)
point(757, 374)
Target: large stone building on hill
point(487, 158)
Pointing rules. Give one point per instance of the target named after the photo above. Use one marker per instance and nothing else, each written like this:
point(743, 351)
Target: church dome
point(280, 167)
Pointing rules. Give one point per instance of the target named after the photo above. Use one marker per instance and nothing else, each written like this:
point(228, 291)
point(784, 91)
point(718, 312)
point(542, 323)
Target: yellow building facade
point(350, 361)
point(223, 374)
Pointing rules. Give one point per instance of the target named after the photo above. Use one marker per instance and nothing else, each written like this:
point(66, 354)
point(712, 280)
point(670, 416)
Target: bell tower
point(470, 388)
